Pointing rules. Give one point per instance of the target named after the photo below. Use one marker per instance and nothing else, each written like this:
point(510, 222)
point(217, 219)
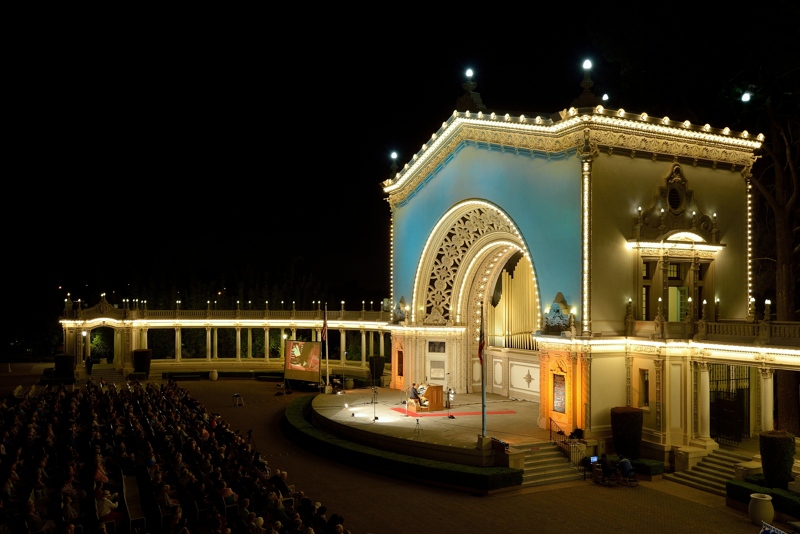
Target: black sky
point(228, 147)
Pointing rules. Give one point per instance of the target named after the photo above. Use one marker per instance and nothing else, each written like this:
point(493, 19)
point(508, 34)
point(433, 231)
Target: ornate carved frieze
point(645, 349)
point(587, 135)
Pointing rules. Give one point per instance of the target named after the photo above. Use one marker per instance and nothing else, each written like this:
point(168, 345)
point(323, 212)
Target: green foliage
point(784, 501)
point(642, 466)
point(626, 429)
point(99, 344)
point(777, 457)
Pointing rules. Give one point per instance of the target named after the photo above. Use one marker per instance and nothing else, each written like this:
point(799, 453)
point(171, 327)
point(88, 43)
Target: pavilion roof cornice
point(613, 131)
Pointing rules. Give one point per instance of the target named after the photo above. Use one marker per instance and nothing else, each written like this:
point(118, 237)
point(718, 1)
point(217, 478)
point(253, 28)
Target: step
point(545, 463)
point(695, 483)
point(734, 457)
point(711, 474)
point(552, 479)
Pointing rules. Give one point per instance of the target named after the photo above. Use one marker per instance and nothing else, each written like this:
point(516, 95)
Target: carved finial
point(587, 99)
point(470, 100)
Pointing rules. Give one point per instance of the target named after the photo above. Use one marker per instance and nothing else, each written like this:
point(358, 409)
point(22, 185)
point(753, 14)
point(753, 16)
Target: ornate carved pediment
point(674, 215)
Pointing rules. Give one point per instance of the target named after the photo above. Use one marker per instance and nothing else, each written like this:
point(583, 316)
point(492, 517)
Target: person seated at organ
point(415, 394)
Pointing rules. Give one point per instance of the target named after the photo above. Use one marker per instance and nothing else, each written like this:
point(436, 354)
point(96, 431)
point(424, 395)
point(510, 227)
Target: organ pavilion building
point(606, 255)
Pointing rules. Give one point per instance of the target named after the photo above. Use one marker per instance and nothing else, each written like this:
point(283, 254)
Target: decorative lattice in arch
point(450, 254)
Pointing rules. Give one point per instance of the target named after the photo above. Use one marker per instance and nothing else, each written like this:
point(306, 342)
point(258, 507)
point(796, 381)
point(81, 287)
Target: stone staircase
point(711, 473)
point(101, 370)
point(547, 465)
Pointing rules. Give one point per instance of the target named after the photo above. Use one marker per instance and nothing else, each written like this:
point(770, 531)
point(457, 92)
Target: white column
point(704, 401)
point(343, 345)
point(381, 346)
point(767, 400)
point(208, 343)
point(215, 355)
point(363, 348)
point(250, 343)
point(177, 343)
point(266, 344)
point(238, 344)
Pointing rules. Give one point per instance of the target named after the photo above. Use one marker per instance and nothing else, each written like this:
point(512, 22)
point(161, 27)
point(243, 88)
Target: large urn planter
point(760, 508)
point(213, 375)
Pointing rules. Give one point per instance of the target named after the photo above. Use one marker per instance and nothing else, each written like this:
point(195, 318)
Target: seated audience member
point(165, 499)
point(36, 522)
point(605, 465)
point(625, 467)
point(276, 509)
point(226, 492)
point(107, 509)
point(278, 481)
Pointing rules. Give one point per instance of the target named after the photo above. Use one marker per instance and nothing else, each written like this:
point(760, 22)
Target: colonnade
point(77, 341)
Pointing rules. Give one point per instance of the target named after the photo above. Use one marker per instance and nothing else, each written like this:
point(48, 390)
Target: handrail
point(567, 445)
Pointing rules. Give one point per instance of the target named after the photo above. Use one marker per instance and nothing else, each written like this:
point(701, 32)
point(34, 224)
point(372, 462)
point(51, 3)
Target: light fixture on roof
point(746, 96)
point(605, 97)
point(665, 120)
point(587, 64)
point(469, 73)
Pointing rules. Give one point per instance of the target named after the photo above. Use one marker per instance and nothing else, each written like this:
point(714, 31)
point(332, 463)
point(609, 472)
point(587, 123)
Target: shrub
point(777, 457)
point(626, 429)
point(784, 501)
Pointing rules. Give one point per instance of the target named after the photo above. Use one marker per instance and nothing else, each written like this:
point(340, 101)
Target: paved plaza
point(378, 504)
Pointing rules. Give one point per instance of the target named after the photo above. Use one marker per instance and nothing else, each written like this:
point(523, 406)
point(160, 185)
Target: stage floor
point(508, 420)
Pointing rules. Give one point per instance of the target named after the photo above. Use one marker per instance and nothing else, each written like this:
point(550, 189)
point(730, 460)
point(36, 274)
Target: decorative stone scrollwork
point(450, 255)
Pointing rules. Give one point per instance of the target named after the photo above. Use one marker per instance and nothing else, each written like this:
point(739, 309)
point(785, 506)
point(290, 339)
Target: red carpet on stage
point(444, 412)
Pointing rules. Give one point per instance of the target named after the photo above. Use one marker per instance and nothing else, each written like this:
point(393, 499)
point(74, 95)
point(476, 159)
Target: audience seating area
point(169, 464)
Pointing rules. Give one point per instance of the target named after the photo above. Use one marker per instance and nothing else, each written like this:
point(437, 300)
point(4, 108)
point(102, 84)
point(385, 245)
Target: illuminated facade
point(608, 255)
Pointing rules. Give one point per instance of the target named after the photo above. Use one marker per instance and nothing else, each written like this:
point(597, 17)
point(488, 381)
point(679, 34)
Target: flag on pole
point(481, 343)
point(325, 325)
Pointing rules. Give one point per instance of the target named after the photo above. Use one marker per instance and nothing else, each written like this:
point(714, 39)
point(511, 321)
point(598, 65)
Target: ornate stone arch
point(458, 263)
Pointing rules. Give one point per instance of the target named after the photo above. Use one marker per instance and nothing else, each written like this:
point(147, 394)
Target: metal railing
point(569, 446)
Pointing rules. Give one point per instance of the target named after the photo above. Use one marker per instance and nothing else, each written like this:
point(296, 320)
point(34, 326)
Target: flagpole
point(325, 333)
point(483, 378)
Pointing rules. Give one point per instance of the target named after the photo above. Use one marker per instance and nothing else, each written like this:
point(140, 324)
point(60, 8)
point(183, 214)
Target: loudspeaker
point(376, 365)
point(64, 365)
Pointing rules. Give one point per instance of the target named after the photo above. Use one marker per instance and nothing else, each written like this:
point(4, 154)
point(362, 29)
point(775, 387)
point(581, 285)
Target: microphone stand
point(448, 405)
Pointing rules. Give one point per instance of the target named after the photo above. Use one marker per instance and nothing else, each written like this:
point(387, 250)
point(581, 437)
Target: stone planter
point(348, 383)
point(213, 375)
point(760, 508)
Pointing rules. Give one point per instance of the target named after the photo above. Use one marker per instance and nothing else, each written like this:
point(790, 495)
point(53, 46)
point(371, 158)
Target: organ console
point(434, 394)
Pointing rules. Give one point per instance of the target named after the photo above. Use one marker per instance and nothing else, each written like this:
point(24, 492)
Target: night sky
point(235, 150)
